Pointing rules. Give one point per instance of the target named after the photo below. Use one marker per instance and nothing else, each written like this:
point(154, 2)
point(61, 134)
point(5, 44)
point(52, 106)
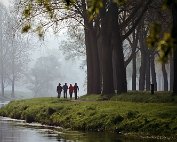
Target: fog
point(70, 70)
point(5, 2)
point(40, 80)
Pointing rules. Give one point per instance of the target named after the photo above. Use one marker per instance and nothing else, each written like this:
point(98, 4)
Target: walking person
point(71, 88)
point(59, 90)
point(65, 89)
point(76, 88)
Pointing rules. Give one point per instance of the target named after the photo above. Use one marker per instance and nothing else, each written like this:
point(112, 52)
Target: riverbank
point(91, 113)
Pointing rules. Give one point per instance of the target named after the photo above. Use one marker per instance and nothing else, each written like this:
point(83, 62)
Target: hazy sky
point(5, 2)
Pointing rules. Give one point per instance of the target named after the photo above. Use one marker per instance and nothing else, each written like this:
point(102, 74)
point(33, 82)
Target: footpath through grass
point(123, 113)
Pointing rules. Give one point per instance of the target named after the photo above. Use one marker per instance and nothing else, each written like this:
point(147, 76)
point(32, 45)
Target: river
point(19, 131)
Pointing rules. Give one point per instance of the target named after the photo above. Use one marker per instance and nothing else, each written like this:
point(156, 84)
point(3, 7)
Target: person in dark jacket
point(71, 88)
point(65, 89)
point(59, 90)
point(76, 88)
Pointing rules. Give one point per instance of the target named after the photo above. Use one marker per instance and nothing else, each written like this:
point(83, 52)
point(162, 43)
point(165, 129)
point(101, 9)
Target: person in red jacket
point(71, 88)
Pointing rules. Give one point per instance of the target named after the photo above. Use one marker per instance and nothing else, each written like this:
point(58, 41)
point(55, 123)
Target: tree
point(115, 33)
point(4, 47)
point(18, 55)
point(45, 71)
point(104, 27)
point(77, 12)
point(133, 44)
point(174, 36)
point(168, 42)
point(74, 45)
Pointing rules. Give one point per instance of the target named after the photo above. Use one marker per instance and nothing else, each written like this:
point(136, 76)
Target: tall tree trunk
point(100, 59)
point(143, 49)
point(2, 85)
point(134, 47)
point(165, 78)
point(88, 50)
point(114, 58)
point(2, 74)
point(89, 63)
point(134, 73)
point(107, 69)
point(174, 35)
point(96, 63)
point(13, 71)
point(171, 73)
point(159, 83)
point(147, 71)
point(93, 66)
point(142, 72)
point(13, 88)
point(153, 73)
point(118, 55)
point(13, 84)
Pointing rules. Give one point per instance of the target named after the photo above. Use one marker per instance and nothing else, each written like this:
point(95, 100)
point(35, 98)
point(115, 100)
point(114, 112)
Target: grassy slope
point(113, 115)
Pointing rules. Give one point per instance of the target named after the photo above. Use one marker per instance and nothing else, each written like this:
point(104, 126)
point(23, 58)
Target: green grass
point(92, 114)
point(136, 96)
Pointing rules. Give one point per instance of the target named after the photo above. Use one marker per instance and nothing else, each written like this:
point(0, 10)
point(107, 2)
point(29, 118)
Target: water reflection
point(106, 137)
point(11, 131)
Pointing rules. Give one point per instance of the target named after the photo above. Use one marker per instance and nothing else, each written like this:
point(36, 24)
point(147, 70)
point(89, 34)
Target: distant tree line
point(14, 51)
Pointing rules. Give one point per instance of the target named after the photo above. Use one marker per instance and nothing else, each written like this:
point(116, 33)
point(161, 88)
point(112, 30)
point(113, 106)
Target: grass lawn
point(131, 112)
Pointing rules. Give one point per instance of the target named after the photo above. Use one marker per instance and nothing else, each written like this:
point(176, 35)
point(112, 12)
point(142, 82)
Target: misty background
point(51, 62)
point(61, 70)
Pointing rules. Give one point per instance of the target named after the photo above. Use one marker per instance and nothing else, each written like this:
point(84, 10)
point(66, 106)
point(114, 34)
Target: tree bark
point(134, 73)
point(165, 78)
point(13, 84)
point(134, 47)
point(142, 70)
point(147, 71)
point(171, 73)
point(174, 36)
point(153, 72)
point(118, 55)
point(2, 74)
point(89, 63)
point(13, 71)
point(96, 63)
point(2, 85)
point(107, 68)
point(93, 66)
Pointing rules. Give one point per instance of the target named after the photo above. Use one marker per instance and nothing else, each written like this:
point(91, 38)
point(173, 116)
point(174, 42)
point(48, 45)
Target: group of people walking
point(65, 88)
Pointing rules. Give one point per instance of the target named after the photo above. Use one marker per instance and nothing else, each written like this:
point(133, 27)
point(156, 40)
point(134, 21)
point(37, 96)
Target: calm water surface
point(15, 131)
point(11, 131)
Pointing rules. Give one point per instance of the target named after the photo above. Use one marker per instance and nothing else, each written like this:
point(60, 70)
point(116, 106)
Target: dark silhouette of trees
point(106, 27)
point(92, 56)
point(174, 36)
point(171, 72)
point(168, 42)
point(153, 72)
point(165, 78)
point(105, 33)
